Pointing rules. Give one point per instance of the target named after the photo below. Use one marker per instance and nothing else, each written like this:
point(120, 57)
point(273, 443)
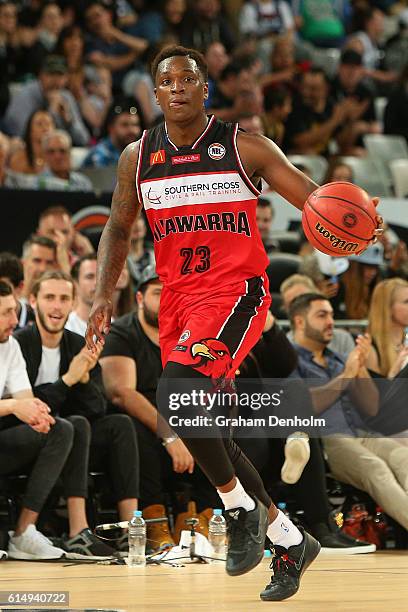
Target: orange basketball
point(339, 219)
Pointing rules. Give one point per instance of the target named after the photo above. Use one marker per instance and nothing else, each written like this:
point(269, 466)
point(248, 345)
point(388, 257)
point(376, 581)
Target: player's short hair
point(11, 268)
point(298, 279)
point(5, 289)
point(179, 51)
point(302, 303)
point(43, 241)
point(52, 275)
point(77, 265)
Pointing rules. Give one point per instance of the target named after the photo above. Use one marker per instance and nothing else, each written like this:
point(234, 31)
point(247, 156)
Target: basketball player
point(196, 177)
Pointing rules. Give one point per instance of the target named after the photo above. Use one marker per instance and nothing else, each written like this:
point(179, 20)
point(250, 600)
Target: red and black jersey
point(201, 207)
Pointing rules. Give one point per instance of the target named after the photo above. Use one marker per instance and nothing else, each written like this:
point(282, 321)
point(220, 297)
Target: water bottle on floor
point(137, 540)
point(217, 535)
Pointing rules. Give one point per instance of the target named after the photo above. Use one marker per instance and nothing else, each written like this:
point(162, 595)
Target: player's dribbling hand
point(380, 223)
point(99, 323)
point(182, 459)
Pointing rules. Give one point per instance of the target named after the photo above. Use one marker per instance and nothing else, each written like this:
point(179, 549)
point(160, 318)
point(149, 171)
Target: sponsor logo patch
point(216, 150)
point(158, 157)
point(185, 159)
point(153, 197)
point(184, 336)
point(180, 348)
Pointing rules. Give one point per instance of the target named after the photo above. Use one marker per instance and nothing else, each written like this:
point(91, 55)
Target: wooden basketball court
point(376, 582)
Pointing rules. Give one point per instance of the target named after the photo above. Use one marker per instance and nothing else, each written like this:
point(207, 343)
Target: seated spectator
point(347, 397)
point(58, 173)
point(30, 159)
point(314, 120)
point(265, 18)
point(48, 30)
point(351, 83)
point(274, 357)
point(140, 255)
point(131, 367)
point(39, 256)
point(91, 87)
point(55, 222)
point(6, 177)
point(264, 220)
point(62, 451)
point(387, 325)
point(339, 171)
point(369, 23)
point(322, 24)
point(48, 91)
point(84, 274)
point(217, 59)
point(251, 123)
point(278, 106)
point(396, 49)
point(109, 46)
point(161, 26)
point(284, 65)
point(204, 24)
point(12, 272)
point(236, 92)
point(71, 43)
point(12, 53)
point(299, 284)
point(123, 126)
point(66, 374)
point(328, 275)
point(396, 111)
point(360, 279)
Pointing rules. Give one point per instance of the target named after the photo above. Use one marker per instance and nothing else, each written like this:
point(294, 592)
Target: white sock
point(237, 498)
point(283, 532)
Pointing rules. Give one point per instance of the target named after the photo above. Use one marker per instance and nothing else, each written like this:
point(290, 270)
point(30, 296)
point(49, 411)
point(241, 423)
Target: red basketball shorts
point(214, 331)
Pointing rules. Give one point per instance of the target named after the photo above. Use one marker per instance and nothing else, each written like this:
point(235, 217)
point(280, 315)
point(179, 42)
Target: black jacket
point(87, 399)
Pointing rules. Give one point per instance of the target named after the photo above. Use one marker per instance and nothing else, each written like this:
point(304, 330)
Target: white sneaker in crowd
point(297, 454)
point(3, 554)
point(32, 545)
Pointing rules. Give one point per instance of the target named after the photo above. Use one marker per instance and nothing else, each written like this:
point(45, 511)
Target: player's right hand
point(99, 323)
point(182, 459)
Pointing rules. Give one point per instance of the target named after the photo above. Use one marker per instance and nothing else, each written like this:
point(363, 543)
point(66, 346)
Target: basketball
point(339, 219)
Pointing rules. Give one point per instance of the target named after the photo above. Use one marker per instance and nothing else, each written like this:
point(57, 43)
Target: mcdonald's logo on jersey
point(159, 157)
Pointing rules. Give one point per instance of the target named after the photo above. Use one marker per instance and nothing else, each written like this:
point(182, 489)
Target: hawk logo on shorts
point(216, 150)
point(214, 357)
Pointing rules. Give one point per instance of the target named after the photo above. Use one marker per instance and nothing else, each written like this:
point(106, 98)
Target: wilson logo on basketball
point(336, 242)
point(158, 157)
point(216, 150)
point(350, 220)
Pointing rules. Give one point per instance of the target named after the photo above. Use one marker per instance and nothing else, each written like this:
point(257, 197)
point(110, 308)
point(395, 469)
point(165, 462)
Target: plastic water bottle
point(283, 508)
point(217, 535)
point(137, 540)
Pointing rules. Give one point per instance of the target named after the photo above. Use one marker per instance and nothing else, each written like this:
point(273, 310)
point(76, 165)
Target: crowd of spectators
point(74, 80)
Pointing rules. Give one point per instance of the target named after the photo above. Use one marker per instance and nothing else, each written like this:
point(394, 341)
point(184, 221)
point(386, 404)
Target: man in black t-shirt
point(131, 366)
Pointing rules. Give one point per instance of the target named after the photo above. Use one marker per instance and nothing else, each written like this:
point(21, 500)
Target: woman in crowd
point(29, 159)
point(360, 279)
point(388, 324)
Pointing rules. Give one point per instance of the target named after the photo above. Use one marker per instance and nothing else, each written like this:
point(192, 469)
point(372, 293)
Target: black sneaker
point(288, 566)
point(86, 545)
point(336, 542)
point(246, 538)
point(122, 545)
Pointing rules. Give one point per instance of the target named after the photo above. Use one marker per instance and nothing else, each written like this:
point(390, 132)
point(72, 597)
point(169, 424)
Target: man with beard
point(65, 374)
point(123, 126)
point(131, 367)
point(346, 398)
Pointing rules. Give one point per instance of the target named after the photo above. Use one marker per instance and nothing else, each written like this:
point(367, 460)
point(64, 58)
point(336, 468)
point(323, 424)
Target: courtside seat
point(281, 265)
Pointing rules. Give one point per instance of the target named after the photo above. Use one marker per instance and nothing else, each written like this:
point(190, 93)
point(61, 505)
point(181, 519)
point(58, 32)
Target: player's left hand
point(380, 223)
